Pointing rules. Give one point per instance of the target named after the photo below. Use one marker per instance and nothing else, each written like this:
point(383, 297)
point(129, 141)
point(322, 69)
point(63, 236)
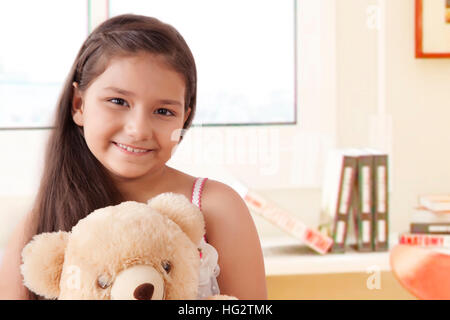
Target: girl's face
point(131, 114)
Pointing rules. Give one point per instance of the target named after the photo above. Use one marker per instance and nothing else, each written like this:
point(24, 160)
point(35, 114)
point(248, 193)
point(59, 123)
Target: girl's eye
point(164, 112)
point(118, 101)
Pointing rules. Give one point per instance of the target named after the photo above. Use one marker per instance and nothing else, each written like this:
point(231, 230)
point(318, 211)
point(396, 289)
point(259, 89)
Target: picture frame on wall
point(432, 27)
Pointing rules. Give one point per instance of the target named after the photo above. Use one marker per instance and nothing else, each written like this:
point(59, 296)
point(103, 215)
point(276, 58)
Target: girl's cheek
point(173, 135)
point(176, 136)
point(104, 117)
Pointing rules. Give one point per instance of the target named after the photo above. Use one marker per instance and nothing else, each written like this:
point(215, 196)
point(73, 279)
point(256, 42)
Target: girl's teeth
point(131, 149)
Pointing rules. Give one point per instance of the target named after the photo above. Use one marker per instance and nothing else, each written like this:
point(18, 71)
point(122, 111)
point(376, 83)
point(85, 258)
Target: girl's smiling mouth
point(131, 150)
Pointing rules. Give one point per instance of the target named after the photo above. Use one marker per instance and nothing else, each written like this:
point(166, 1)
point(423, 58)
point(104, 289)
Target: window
point(244, 52)
point(279, 156)
point(40, 40)
point(264, 157)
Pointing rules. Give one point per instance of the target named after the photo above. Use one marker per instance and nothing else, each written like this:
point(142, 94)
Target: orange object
point(423, 272)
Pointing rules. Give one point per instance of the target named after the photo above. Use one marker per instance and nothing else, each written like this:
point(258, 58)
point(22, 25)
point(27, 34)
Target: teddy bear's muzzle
point(139, 282)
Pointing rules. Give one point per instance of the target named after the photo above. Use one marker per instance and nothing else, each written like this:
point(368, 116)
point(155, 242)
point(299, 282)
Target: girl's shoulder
point(213, 197)
point(218, 202)
point(222, 206)
point(216, 193)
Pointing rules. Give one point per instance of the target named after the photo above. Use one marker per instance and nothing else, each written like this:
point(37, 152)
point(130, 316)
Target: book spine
point(431, 228)
point(364, 210)
point(353, 220)
point(344, 201)
point(288, 223)
point(381, 204)
point(425, 240)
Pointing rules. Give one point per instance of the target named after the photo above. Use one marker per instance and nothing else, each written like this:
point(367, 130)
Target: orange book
point(282, 219)
point(288, 223)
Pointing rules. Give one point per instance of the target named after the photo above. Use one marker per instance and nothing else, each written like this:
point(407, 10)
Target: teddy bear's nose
point(144, 291)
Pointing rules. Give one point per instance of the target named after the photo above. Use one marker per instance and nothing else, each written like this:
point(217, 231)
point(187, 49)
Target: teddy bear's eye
point(103, 282)
point(167, 266)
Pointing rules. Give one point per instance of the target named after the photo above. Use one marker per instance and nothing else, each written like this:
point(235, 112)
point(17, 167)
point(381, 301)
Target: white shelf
point(287, 256)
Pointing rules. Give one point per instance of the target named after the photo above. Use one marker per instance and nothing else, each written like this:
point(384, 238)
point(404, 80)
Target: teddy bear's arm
point(43, 259)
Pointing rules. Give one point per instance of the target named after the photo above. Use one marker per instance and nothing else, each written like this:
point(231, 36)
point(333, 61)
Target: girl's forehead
point(142, 72)
point(140, 65)
point(140, 57)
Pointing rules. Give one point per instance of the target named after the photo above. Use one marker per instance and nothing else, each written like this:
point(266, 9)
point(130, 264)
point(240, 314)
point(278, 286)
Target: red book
point(425, 240)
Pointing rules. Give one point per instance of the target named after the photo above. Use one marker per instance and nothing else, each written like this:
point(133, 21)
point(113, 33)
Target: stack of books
point(429, 223)
point(355, 200)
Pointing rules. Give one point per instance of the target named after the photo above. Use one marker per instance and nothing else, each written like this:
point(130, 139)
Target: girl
point(131, 88)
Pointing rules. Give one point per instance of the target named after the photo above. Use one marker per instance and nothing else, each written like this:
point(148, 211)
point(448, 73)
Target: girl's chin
point(127, 174)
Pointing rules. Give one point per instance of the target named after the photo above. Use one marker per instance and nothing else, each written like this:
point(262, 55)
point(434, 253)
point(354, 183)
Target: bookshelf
point(286, 256)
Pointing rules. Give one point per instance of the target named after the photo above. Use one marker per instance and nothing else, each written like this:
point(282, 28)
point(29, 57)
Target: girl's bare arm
point(230, 229)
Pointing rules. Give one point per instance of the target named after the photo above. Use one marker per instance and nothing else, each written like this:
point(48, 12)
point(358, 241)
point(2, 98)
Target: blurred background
point(280, 84)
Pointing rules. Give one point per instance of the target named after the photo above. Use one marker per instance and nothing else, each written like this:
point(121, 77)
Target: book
point(425, 240)
point(283, 219)
point(380, 226)
point(431, 228)
point(337, 196)
point(423, 215)
point(435, 202)
point(364, 209)
point(352, 233)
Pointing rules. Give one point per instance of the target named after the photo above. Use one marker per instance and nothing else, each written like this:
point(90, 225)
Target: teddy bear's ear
point(180, 210)
point(42, 262)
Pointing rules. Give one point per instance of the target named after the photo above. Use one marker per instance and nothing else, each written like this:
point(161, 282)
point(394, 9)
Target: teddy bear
point(128, 251)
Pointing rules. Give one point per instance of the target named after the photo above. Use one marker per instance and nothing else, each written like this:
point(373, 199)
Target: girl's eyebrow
point(121, 91)
point(132, 94)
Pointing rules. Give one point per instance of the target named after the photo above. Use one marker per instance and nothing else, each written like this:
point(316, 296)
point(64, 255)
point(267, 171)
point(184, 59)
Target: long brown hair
point(74, 183)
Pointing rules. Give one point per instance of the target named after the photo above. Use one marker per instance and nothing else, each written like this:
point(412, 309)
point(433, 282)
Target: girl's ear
point(188, 112)
point(77, 106)
point(42, 262)
point(181, 211)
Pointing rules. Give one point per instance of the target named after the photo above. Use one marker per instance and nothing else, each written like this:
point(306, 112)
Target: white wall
point(417, 99)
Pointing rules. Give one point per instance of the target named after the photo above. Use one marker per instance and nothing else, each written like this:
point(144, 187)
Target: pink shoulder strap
point(196, 197)
point(197, 190)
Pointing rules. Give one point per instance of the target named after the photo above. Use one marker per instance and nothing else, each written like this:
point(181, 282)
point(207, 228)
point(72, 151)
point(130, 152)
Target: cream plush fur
point(121, 252)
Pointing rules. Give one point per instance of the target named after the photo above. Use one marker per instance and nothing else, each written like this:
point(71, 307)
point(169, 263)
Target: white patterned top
point(209, 268)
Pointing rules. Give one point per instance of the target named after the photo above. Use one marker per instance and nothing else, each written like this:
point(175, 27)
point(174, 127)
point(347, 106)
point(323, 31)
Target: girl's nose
point(138, 126)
